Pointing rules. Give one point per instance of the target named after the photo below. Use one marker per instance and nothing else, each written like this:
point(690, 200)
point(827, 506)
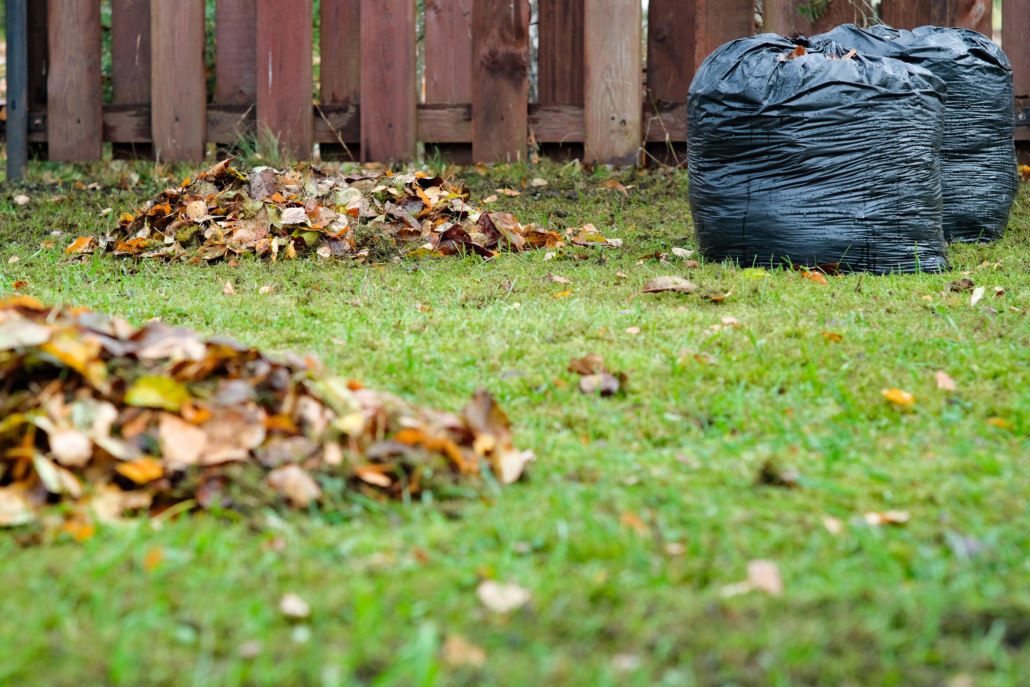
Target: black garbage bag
point(814, 155)
point(979, 177)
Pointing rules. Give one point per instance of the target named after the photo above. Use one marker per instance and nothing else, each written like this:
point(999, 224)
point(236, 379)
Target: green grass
point(926, 603)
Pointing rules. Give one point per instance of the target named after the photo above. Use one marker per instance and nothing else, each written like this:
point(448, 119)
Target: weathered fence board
point(74, 104)
point(670, 49)
point(905, 14)
point(560, 52)
point(16, 26)
point(130, 51)
point(1015, 37)
point(448, 69)
point(389, 127)
point(285, 76)
point(235, 52)
point(340, 51)
point(966, 14)
point(612, 81)
point(719, 21)
point(178, 79)
point(500, 79)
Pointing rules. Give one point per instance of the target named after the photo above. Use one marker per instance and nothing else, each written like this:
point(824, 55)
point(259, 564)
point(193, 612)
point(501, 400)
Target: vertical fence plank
point(905, 14)
point(784, 18)
point(500, 79)
point(718, 22)
point(130, 51)
point(39, 53)
point(560, 52)
point(966, 14)
point(285, 76)
point(178, 81)
point(235, 52)
point(17, 29)
point(389, 126)
point(613, 92)
point(448, 51)
point(560, 64)
point(838, 12)
point(341, 51)
point(670, 49)
point(448, 65)
point(74, 107)
point(1015, 37)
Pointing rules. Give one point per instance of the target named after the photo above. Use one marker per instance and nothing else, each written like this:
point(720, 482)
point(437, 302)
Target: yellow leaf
point(899, 397)
point(1000, 423)
point(81, 244)
point(562, 294)
point(153, 559)
point(157, 392)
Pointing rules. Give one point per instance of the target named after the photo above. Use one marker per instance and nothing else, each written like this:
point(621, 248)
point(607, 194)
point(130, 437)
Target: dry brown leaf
point(944, 381)
point(663, 284)
point(228, 289)
point(556, 279)
point(890, 517)
point(21, 199)
point(294, 484)
point(633, 330)
point(765, 576)
point(502, 598)
point(292, 606)
point(458, 651)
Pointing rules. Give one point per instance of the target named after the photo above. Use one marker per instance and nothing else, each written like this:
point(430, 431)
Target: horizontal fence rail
point(596, 99)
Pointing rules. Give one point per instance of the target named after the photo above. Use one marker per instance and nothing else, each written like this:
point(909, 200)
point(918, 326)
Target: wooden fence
point(595, 99)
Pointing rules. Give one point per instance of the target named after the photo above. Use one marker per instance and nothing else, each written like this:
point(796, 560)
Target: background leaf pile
point(226, 213)
point(111, 419)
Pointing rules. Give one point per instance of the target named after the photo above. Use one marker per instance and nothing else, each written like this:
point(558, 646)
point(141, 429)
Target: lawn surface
point(640, 510)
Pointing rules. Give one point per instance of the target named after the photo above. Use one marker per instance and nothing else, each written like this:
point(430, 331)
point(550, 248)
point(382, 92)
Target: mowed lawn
point(641, 510)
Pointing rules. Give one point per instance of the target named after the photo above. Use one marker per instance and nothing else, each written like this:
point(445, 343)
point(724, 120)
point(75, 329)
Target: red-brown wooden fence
point(595, 98)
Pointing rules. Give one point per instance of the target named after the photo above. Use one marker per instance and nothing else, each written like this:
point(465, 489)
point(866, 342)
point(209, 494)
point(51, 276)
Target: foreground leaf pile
point(113, 419)
point(225, 213)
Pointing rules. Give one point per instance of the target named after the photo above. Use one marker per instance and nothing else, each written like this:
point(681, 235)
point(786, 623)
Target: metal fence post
point(17, 89)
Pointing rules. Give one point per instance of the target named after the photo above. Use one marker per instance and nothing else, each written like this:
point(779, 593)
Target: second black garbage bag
point(979, 177)
point(817, 155)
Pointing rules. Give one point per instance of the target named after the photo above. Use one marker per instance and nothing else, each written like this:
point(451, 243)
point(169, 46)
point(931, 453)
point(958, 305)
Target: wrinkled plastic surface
point(979, 177)
point(814, 160)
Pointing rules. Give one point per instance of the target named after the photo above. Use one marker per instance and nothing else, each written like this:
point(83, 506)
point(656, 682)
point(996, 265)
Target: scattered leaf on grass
point(153, 559)
point(458, 651)
point(833, 525)
point(833, 336)
point(20, 284)
point(1000, 423)
point(663, 284)
point(634, 522)
point(978, 294)
point(633, 330)
point(266, 289)
point(591, 363)
point(556, 279)
point(490, 199)
point(511, 193)
point(502, 598)
point(682, 252)
point(620, 275)
point(538, 182)
point(899, 397)
point(615, 186)
point(960, 285)
point(80, 245)
point(292, 606)
point(817, 277)
point(717, 296)
point(944, 381)
point(603, 383)
point(890, 517)
point(21, 200)
point(228, 289)
point(562, 294)
point(761, 576)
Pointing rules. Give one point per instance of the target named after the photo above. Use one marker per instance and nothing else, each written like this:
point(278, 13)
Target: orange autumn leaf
point(1000, 423)
point(833, 336)
point(153, 559)
point(562, 294)
point(817, 277)
point(142, 470)
point(82, 243)
point(20, 284)
point(634, 522)
point(277, 198)
point(79, 531)
point(899, 397)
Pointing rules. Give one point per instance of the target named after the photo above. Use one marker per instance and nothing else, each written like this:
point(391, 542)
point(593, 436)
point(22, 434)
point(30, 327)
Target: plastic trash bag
point(979, 177)
point(815, 155)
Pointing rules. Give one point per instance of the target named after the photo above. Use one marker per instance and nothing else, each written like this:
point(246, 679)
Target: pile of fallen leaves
point(225, 213)
point(112, 419)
